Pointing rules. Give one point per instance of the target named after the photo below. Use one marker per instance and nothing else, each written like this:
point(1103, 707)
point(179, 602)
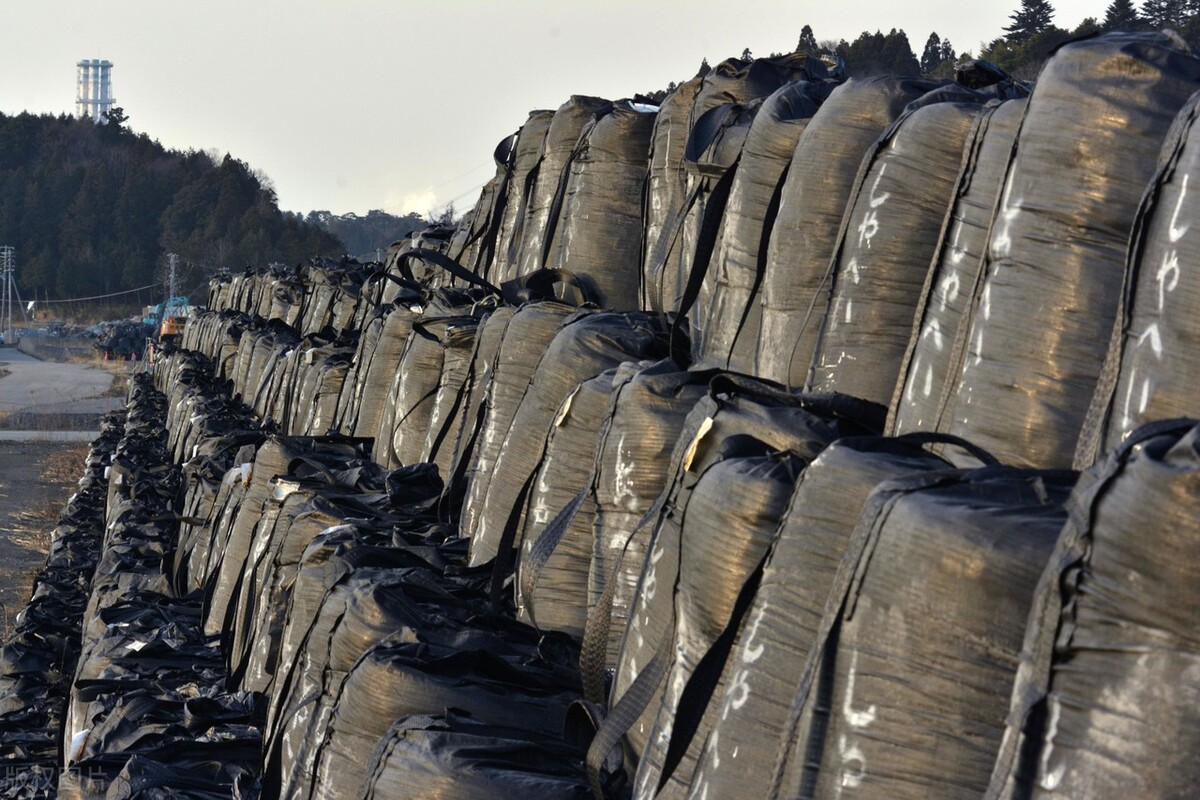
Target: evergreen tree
point(1161, 14)
point(747, 55)
point(1122, 15)
point(931, 56)
point(704, 68)
point(1032, 18)
point(877, 54)
point(808, 41)
point(948, 53)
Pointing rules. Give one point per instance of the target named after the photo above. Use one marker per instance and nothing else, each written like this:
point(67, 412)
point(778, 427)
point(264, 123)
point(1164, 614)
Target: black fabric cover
point(889, 235)
point(819, 184)
point(904, 692)
point(1152, 368)
point(925, 374)
point(1086, 151)
point(1107, 693)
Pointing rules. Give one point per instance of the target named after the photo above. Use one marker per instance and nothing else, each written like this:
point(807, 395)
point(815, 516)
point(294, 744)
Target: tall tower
point(93, 89)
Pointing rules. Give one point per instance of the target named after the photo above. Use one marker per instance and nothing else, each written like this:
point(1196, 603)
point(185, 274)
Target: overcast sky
point(398, 104)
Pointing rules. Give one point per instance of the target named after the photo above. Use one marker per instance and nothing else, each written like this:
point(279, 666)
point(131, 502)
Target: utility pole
point(172, 266)
point(6, 265)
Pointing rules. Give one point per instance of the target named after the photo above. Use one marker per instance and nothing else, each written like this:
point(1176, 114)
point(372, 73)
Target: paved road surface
point(33, 383)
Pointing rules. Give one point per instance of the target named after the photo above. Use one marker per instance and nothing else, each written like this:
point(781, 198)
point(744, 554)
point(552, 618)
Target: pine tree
point(747, 55)
point(931, 56)
point(808, 41)
point(704, 68)
point(1165, 13)
point(1032, 18)
point(1122, 15)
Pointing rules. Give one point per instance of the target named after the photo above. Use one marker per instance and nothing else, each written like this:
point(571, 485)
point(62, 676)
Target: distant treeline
point(364, 236)
point(1022, 49)
point(91, 209)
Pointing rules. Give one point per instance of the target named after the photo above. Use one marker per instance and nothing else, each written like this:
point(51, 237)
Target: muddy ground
point(36, 479)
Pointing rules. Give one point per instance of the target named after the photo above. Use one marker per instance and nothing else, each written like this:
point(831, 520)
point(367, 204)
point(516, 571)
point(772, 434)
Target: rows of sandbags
point(39, 653)
point(317, 559)
point(319, 294)
point(761, 595)
point(147, 709)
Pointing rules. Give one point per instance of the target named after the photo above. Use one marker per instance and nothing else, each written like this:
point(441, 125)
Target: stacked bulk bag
point(462, 429)
point(735, 757)
point(740, 418)
point(582, 348)
point(558, 150)
point(552, 587)
point(435, 360)
point(733, 318)
point(732, 82)
point(1032, 351)
point(684, 251)
point(819, 184)
point(632, 468)
point(1106, 698)
point(376, 368)
point(598, 235)
point(1151, 369)
point(474, 242)
point(526, 151)
point(352, 587)
point(321, 372)
point(725, 531)
point(903, 691)
point(925, 372)
point(368, 339)
point(526, 335)
point(666, 182)
point(891, 228)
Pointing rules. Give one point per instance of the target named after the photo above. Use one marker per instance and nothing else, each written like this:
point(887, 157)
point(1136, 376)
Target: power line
point(99, 296)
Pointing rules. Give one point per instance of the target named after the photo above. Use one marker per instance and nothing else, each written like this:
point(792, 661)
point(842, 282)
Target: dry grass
point(62, 469)
point(120, 386)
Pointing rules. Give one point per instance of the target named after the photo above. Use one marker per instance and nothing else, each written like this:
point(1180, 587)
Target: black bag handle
point(446, 263)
